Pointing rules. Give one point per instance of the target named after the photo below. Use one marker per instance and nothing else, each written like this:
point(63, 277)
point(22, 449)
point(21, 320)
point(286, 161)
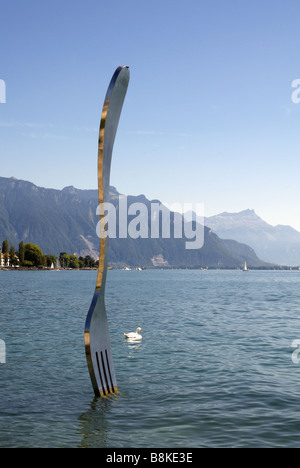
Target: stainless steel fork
point(96, 335)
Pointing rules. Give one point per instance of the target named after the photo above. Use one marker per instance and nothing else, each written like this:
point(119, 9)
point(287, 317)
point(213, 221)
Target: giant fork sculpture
point(96, 336)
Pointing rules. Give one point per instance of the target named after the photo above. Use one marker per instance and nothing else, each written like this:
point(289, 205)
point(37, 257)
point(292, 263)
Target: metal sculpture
point(97, 338)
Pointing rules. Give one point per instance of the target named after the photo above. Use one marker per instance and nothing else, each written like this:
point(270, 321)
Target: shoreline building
point(4, 263)
point(5, 260)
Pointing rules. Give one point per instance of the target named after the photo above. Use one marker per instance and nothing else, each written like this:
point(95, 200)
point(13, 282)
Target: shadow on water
point(93, 423)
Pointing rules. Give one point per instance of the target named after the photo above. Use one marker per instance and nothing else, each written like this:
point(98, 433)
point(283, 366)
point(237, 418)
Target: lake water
point(214, 368)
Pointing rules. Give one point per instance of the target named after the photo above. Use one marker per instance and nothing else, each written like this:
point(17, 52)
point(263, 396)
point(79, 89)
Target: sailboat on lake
point(245, 267)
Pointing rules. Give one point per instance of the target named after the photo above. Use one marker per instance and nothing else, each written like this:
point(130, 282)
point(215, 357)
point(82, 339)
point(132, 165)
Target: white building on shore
point(5, 260)
point(4, 264)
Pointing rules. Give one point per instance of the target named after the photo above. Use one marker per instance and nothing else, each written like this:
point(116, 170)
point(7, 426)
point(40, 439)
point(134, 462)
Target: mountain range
point(65, 221)
point(274, 244)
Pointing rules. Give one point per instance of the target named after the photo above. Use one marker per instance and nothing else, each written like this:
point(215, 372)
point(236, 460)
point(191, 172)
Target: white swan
point(134, 335)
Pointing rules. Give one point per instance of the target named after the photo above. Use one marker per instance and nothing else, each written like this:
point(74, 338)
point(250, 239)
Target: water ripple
point(214, 368)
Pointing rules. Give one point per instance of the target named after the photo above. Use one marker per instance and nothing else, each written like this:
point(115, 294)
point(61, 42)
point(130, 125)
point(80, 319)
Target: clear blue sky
point(208, 116)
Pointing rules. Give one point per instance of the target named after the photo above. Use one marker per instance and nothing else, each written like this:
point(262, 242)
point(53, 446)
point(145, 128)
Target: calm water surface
point(214, 368)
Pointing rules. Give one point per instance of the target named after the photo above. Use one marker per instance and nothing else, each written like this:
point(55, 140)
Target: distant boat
point(245, 267)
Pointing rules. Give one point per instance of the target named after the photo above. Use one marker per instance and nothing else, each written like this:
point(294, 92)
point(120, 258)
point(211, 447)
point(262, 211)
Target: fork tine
point(96, 336)
point(98, 349)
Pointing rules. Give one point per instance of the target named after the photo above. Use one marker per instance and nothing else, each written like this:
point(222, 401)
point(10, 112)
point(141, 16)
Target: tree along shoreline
point(29, 256)
point(17, 268)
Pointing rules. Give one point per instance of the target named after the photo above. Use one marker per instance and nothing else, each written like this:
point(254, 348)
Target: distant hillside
point(56, 220)
point(279, 244)
point(65, 220)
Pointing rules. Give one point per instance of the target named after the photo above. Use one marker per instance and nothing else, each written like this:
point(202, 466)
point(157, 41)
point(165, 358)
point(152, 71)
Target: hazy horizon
point(156, 198)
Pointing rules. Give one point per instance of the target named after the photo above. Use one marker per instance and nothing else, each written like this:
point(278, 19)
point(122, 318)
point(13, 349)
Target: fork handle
point(110, 117)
